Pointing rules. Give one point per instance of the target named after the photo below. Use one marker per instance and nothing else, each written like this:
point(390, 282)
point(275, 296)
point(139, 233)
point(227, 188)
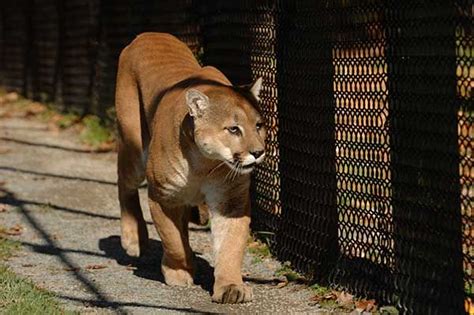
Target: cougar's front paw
point(177, 277)
point(233, 293)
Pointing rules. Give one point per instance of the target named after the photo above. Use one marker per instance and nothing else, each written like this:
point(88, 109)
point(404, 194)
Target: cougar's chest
point(188, 194)
point(174, 185)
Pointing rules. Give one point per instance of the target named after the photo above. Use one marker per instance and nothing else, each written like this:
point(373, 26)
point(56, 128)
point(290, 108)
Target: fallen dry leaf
point(55, 118)
point(94, 267)
point(253, 245)
point(4, 150)
point(53, 127)
point(27, 265)
point(365, 305)
point(106, 147)
point(35, 108)
point(3, 207)
point(469, 306)
point(6, 113)
point(11, 97)
point(345, 299)
point(332, 295)
point(328, 296)
point(282, 284)
point(17, 229)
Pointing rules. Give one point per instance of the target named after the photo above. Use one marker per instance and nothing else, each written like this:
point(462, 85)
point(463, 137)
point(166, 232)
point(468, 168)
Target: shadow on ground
point(148, 266)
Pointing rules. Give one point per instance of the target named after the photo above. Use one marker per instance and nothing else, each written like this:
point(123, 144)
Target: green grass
point(7, 247)
point(261, 250)
point(21, 296)
point(287, 272)
point(258, 249)
point(95, 133)
point(67, 121)
point(319, 289)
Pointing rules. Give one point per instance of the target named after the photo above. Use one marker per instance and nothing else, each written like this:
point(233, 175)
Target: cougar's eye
point(234, 130)
point(259, 125)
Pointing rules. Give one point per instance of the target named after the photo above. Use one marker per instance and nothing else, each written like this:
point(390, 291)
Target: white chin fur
point(241, 171)
point(246, 170)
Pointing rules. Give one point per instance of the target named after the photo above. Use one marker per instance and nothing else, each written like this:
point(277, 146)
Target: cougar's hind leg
point(131, 164)
point(200, 215)
point(131, 174)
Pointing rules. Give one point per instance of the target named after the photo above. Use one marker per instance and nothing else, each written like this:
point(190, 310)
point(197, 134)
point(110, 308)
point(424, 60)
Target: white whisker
point(237, 170)
point(229, 174)
point(215, 168)
point(236, 167)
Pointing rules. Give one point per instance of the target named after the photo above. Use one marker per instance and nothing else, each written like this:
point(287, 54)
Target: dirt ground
point(61, 200)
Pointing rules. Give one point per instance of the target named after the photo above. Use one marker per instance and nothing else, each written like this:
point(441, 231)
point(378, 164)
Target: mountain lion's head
point(228, 126)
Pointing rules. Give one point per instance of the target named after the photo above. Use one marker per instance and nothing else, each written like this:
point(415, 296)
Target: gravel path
point(62, 201)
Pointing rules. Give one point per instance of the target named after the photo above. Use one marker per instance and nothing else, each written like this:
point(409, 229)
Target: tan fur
point(185, 127)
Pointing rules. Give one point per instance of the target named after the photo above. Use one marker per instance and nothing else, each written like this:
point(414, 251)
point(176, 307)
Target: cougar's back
point(158, 61)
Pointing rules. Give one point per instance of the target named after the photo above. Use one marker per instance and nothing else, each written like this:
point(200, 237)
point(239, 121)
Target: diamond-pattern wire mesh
point(368, 184)
point(78, 30)
point(14, 45)
point(464, 41)
point(44, 48)
point(121, 21)
point(239, 38)
point(360, 98)
point(362, 151)
point(423, 105)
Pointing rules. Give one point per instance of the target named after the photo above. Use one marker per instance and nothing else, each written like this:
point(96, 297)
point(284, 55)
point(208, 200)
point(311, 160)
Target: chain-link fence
point(368, 184)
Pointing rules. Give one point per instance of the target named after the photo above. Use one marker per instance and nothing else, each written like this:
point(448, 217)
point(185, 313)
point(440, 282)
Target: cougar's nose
point(257, 154)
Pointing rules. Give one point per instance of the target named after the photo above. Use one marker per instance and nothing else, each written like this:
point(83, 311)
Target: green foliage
point(259, 244)
point(330, 305)
point(258, 249)
point(47, 115)
point(319, 289)
point(264, 236)
point(287, 272)
point(388, 310)
point(95, 132)
point(257, 260)
point(67, 121)
point(261, 251)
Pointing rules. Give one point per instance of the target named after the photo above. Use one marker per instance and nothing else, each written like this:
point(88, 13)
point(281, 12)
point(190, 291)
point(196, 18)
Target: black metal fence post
point(2, 45)
point(14, 46)
point(307, 236)
point(425, 156)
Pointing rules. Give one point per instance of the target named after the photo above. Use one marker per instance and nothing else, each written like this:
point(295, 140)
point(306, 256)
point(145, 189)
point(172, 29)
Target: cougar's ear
point(256, 87)
point(197, 102)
